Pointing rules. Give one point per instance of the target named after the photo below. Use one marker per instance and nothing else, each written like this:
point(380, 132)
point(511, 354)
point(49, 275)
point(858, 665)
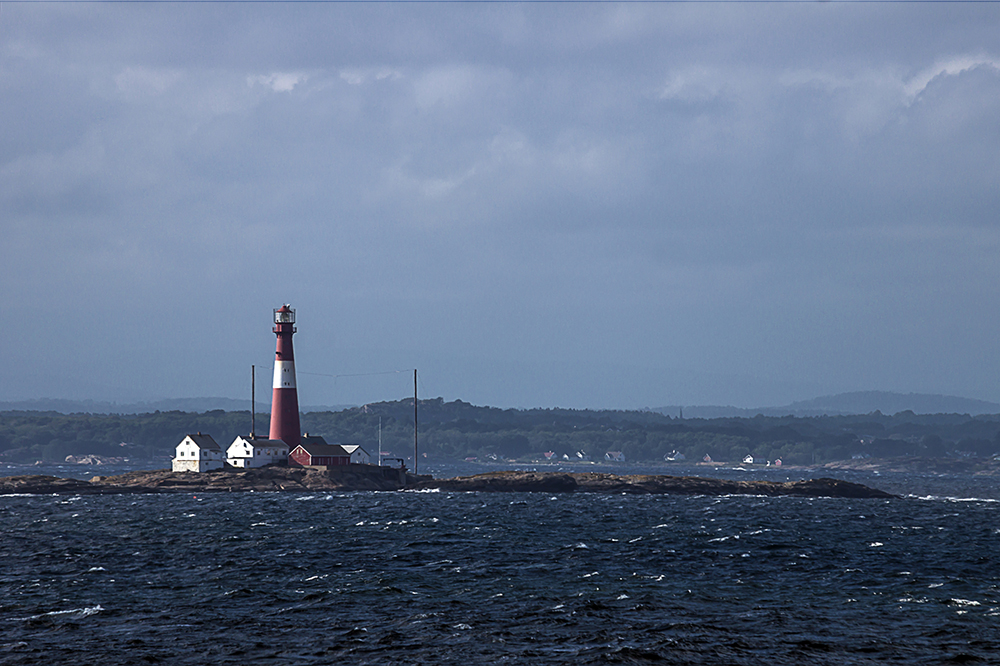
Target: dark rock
point(370, 477)
point(646, 484)
point(524, 482)
point(276, 478)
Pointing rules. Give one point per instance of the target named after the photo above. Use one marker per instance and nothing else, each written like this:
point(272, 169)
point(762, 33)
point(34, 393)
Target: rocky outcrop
point(294, 479)
point(921, 465)
point(92, 459)
point(521, 482)
point(369, 477)
point(38, 484)
point(647, 484)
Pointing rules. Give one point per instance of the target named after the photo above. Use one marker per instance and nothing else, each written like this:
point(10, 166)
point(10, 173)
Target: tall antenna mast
point(414, 420)
point(253, 403)
point(380, 441)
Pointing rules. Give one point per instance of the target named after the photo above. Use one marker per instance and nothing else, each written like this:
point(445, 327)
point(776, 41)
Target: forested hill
point(459, 430)
point(437, 411)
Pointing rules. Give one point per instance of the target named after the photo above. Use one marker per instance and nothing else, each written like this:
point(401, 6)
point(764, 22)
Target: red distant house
point(313, 451)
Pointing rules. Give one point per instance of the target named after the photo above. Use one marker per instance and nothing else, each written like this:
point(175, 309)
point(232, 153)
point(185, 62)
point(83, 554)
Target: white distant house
point(197, 453)
point(748, 460)
point(674, 456)
point(358, 455)
point(616, 456)
point(246, 452)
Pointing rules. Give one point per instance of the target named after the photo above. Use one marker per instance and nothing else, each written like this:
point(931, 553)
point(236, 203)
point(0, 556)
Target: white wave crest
point(75, 613)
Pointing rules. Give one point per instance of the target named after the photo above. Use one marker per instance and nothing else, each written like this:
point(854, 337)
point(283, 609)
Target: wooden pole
point(253, 402)
point(414, 420)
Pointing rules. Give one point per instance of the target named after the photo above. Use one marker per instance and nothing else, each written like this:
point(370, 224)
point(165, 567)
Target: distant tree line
point(455, 430)
point(50, 436)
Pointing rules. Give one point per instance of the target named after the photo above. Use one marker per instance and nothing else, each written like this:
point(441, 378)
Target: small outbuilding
point(315, 452)
point(358, 455)
point(197, 453)
point(248, 452)
point(616, 456)
point(318, 455)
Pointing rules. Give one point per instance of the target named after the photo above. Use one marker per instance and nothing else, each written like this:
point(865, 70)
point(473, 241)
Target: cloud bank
point(573, 205)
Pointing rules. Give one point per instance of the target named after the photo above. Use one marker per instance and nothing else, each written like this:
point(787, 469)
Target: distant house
point(197, 453)
point(581, 455)
point(674, 456)
point(549, 455)
point(616, 456)
point(358, 455)
point(315, 452)
point(748, 460)
point(246, 452)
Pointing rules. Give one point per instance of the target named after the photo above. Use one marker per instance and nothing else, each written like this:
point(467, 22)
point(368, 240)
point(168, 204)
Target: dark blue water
point(394, 578)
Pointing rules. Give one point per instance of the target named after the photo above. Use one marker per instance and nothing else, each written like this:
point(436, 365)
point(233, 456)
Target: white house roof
point(268, 442)
point(263, 443)
point(314, 448)
point(204, 442)
point(260, 443)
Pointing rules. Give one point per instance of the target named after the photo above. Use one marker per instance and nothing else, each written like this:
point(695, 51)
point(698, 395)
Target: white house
point(245, 452)
point(616, 456)
point(197, 453)
point(748, 460)
point(358, 455)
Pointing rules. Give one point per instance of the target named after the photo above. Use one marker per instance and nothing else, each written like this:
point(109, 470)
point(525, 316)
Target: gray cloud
point(578, 205)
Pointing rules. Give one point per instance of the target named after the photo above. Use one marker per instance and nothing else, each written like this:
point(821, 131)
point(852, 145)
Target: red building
point(313, 451)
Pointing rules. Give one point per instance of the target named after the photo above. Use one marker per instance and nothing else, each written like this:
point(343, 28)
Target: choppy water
point(394, 578)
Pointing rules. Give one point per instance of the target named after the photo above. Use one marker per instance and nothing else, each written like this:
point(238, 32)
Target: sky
point(585, 205)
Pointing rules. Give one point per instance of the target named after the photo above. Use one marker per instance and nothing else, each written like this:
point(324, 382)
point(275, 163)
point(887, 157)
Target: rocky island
point(261, 479)
point(645, 484)
point(298, 479)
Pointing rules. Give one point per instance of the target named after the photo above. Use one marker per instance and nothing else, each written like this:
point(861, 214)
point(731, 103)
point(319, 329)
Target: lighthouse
point(284, 398)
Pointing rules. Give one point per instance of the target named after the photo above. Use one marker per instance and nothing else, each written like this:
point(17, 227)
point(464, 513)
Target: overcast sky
point(576, 205)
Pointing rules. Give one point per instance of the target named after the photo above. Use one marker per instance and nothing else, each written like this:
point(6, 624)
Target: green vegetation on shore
point(456, 430)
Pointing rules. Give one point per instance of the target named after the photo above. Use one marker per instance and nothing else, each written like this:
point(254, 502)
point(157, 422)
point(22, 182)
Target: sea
point(505, 578)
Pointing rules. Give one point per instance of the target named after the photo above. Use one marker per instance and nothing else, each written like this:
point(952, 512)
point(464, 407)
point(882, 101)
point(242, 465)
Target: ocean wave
point(74, 613)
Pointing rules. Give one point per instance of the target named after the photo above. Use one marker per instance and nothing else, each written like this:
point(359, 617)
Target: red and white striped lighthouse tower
point(285, 399)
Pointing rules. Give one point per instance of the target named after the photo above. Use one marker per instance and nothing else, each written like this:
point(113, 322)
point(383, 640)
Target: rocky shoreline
point(297, 479)
point(646, 484)
point(265, 479)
